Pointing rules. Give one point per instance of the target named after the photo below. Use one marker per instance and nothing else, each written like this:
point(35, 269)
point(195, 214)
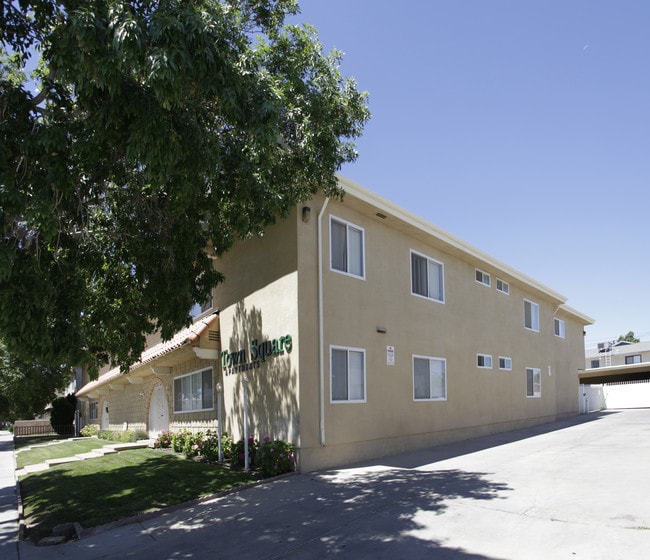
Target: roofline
point(611, 372)
point(364, 194)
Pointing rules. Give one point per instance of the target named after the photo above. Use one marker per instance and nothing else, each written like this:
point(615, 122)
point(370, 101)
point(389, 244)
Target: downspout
point(321, 335)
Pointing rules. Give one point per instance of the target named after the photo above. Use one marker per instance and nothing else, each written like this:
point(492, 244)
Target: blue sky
point(522, 127)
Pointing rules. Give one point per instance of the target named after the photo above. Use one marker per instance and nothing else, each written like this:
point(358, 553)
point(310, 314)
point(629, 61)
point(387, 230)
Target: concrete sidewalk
point(576, 489)
point(8, 499)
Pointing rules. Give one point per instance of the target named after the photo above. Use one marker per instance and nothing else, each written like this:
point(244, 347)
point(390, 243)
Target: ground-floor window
point(92, 410)
point(429, 378)
point(533, 382)
point(193, 392)
point(348, 374)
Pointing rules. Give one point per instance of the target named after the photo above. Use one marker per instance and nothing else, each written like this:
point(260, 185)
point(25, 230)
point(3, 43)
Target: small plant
point(193, 446)
point(275, 457)
point(89, 430)
point(106, 434)
point(163, 441)
point(238, 458)
point(178, 440)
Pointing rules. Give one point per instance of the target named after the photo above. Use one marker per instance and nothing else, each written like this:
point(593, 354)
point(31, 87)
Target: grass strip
point(66, 449)
point(110, 488)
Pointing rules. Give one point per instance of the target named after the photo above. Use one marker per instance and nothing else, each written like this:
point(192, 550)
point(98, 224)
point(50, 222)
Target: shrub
point(178, 440)
point(193, 445)
point(89, 430)
point(163, 441)
point(275, 457)
point(237, 455)
point(105, 434)
point(210, 448)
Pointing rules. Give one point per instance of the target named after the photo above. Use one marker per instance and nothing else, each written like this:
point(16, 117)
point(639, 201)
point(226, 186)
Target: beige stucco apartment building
point(359, 330)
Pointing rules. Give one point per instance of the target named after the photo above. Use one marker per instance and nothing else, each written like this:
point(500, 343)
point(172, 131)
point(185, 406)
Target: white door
point(158, 412)
point(105, 422)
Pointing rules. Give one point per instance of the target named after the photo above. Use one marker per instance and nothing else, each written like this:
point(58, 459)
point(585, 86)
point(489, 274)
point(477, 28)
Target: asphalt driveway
point(573, 489)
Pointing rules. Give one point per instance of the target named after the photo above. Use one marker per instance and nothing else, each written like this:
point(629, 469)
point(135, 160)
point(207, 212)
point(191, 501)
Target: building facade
point(354, 329)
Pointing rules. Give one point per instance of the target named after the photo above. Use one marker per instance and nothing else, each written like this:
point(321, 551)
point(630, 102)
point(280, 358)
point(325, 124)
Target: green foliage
point(27, 387)
point(629, 337)
point(179, 439)
point(163, 441)
point(160, 133)
point(238, 456)
point(62, 415)
point(89, 430)
point(275, 457)
point(122, 436)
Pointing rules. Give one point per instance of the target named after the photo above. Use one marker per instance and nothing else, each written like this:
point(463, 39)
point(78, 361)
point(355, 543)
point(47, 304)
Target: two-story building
point(358, 330)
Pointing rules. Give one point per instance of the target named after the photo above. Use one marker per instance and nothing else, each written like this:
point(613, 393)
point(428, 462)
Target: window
point(505, 363)
point(633, 359)
point(533, 382)
point(193, 392)
point(346, 248)
point(484, 361)
point(201, 308)
point(595, 363)
point(482, 277)
point(92, 411)
point(427, 277)
point(531, 315)
point(348, 374)
point(558, 325)
point(503, 286)
point(429, 378)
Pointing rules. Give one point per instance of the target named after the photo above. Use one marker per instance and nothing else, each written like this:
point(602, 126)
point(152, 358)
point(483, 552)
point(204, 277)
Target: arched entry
point(158, 412)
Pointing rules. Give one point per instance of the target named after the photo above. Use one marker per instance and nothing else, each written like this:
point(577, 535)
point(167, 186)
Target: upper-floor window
point(193, 392)
point(348, 374)
point(346, 248)
point(533, 382)
point(482, 277)
point(484, 361)
point(558, 326)
point(636, 359)
point(427, 277)
point(531, 315)
point(505, 363)
point(429, 378)
point(201, 308)
point(503, 286)
point(595, 363)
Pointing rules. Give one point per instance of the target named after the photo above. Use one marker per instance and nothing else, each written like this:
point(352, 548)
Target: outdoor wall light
point(382, 330)
point(306, 213)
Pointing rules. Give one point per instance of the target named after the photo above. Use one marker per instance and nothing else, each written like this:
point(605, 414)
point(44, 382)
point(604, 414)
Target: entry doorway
point(105, 421)
point(158, 412)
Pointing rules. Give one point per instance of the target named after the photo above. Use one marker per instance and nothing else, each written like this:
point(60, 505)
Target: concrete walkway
point(8, 499)
point(576, 489)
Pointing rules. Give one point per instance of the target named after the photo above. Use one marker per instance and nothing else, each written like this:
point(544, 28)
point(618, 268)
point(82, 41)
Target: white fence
point(622, 394)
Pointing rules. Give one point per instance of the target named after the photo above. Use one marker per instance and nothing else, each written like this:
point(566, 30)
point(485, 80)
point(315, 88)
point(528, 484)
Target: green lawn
point(101, 490)
point(68, 449)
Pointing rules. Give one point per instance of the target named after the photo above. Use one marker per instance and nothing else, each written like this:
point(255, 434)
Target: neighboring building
point(617, 353)
point(361, 331)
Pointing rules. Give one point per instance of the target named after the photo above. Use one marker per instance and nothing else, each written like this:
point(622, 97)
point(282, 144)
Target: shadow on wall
point(272, 384)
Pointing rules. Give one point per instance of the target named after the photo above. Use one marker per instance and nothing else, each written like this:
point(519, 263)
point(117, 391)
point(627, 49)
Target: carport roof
point(611, 374)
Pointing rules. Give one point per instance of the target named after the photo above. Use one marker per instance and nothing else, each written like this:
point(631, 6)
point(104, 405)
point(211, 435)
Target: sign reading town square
point(243, 360)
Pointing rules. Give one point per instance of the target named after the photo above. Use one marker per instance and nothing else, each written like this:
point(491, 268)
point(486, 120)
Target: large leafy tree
point(150, 134)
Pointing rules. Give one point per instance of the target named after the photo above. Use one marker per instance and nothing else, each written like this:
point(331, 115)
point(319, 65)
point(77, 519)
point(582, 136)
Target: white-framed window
point(503, 286)
point(482, 277)
point(201, 308)
point(531, 315)
point(505, 363)
point(347, 374)
point(429, 378)
point(484, 361)
point(347, 248)
point(194, 392)
point(93, 409)
point(636, 359)
point(533, 382)
point(558, 327)
point(427, 277)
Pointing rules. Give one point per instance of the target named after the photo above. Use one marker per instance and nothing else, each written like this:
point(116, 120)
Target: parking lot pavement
point(572, 489)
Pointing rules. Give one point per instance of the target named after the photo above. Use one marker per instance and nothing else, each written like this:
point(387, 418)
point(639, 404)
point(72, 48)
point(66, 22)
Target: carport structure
point(613, 374)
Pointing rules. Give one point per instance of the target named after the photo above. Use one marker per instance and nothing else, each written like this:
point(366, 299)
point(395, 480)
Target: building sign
point(258, 352)
point(390, 355)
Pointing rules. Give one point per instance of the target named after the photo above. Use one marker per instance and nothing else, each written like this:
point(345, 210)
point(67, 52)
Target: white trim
point(562, 327)
point(349, 225)
point(534, 395)
point(532, 327)
point(442, 275)
point(505, 286)
point(486, 279)
point(429, 359)
point(486, 358)
point(349, 349)
point(195, 372)
point(505, 358)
